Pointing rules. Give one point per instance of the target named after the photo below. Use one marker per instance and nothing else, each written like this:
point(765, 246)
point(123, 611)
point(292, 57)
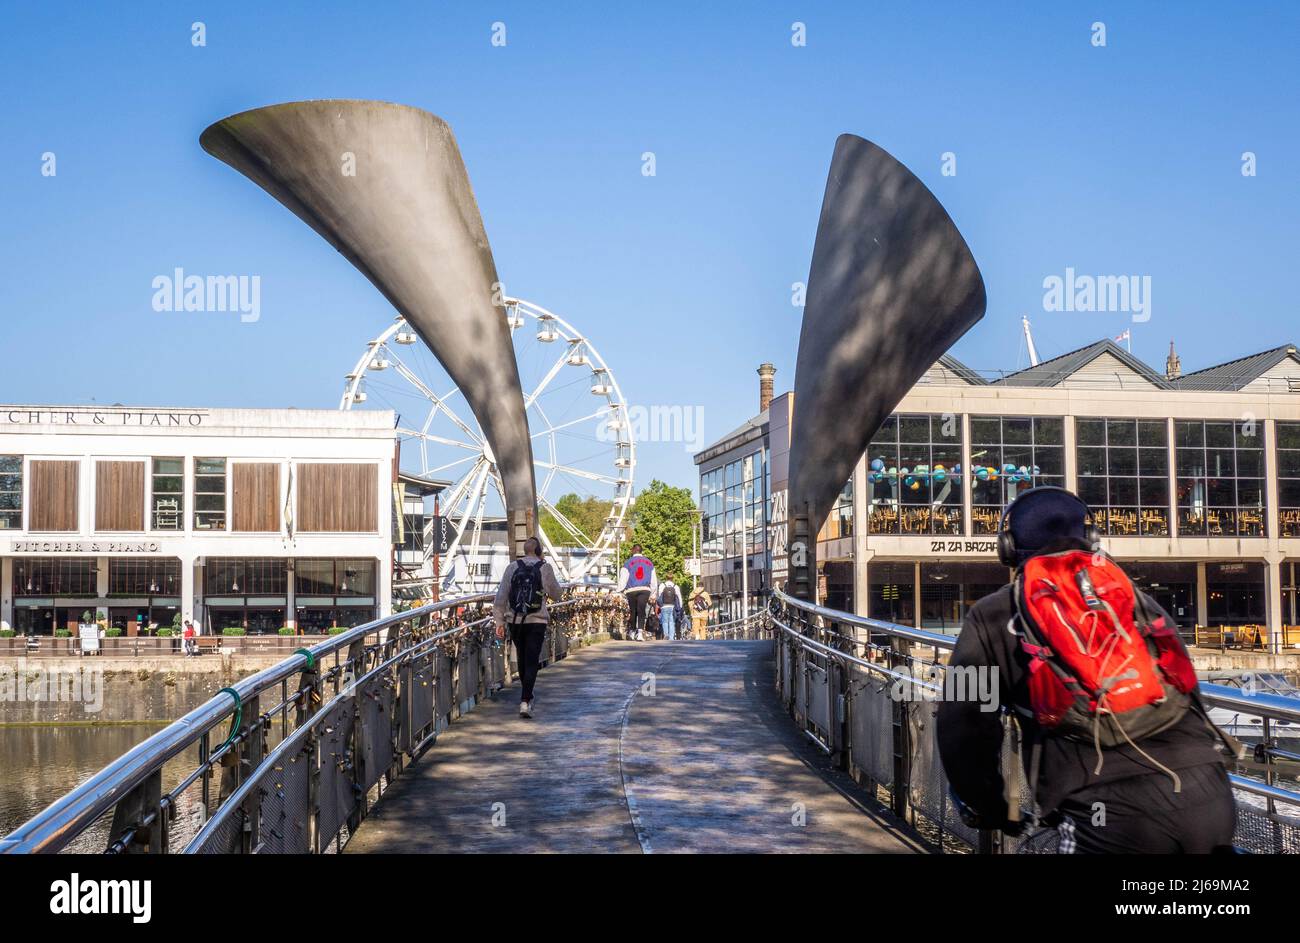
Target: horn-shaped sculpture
point(892, 287)
point(386, 186)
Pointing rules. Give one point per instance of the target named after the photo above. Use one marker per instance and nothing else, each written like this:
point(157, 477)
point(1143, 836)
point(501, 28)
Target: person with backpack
point(521, 603)
point(1099, 699)
point(700, 604)
point(639, 583)
point(670, 607)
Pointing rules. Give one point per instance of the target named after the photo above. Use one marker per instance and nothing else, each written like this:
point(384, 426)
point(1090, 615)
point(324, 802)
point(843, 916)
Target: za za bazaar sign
point(85, 546)
point(90, 418)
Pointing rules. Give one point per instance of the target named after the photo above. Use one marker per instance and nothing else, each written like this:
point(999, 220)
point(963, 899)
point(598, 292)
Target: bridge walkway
point(707, 762)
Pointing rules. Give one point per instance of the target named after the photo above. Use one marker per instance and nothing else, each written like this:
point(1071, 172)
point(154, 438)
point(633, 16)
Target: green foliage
point(338, 630)
point(87, 617)
point(232, 630)
point(663, 519)
point(587, 514)
point(63, 633)
point(176, 622)
point(165, 632)
point(113, 633)
point(286, 630)
point(7, 633)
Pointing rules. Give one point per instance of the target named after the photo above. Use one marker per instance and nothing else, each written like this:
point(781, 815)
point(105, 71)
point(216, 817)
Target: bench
point(207, 643)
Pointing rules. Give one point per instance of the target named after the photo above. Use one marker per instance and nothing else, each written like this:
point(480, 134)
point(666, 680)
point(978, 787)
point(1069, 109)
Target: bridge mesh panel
point(285, 806)
point(377, 723)
point(336, 795)
point(443, 695)
point(1262, 834)
point(929, 786)
point(819, 699)
point(421, 698)
point(871, 715)
point(225, 838)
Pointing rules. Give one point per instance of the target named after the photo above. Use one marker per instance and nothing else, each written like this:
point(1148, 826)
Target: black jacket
point(970, 740)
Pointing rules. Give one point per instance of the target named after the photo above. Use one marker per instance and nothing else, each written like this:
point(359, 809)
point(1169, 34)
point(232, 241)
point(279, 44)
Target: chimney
point(1173, 366)
point(766, 375)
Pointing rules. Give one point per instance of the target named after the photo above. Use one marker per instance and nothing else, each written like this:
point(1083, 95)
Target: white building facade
point(234, 518)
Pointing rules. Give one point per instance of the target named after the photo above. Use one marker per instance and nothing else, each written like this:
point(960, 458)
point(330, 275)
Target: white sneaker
point(525, 708)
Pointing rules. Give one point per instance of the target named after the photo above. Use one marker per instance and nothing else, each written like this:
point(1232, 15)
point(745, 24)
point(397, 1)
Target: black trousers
point(1143, 815)
point(637, 600)
point(528, 638)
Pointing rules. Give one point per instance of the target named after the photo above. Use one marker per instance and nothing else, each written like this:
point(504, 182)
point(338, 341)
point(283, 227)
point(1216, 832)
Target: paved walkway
point(707, 763)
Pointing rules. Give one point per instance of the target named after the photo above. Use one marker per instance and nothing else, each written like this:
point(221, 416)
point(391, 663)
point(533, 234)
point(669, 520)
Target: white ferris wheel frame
point(468, 494)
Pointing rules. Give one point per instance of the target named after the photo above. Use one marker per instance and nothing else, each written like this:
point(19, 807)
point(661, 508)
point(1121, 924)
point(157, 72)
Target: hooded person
point(1122, 759)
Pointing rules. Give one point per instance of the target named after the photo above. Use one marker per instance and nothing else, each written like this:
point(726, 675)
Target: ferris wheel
point(583, 452)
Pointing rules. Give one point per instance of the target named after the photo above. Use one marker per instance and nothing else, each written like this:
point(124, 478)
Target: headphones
point(1009, 554)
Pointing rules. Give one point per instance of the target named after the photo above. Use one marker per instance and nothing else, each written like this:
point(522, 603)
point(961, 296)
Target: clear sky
point(1122, 159)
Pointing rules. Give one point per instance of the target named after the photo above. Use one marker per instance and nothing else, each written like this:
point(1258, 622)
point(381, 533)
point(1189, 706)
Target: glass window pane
point(1090, 432)
point(1049, 430)
point(1123, 492)
point(1153, 432)
point(1250, 463)
point(1050, 461)
point(1093, 491)
point(1122, 461)
point(1154, 492)
point(1092, 461)
point(1121, 432)
point(914, 429)
point(1218, 435)
point(1153, 462)
point(1191, 462)
point(1017, 431)
point(1189, 433)
point(1288, 435)
point(985, 431)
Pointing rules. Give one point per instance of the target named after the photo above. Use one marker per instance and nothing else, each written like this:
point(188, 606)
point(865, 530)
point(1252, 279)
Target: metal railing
point(866, 692)
point(312, 740)
point(757, 625)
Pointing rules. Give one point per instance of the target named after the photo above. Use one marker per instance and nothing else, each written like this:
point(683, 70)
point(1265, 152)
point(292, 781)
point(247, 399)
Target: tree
point(663, 520)
point(586, 514)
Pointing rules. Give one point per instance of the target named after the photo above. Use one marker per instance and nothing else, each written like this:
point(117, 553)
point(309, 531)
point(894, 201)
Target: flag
point(1125, 336)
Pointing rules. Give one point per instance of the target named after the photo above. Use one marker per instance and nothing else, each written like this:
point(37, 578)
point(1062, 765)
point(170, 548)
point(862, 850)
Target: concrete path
point(635, 747)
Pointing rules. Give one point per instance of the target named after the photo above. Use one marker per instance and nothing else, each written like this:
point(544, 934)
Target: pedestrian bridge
point(801, 729)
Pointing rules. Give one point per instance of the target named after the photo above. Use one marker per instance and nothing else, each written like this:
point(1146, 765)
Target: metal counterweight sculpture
point(386, 186)
point(892, 287)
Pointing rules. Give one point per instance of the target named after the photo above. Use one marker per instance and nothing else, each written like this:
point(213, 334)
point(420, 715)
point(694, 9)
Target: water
point(47, 749)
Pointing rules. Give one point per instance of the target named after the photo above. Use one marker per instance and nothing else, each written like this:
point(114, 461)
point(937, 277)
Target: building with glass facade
point(249, 518)
point(1194, 481)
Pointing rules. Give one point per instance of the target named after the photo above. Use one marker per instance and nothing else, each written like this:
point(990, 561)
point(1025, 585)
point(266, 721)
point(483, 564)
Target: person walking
point(670, 606)
point(700, 604)
point(520, 603)
point(187, 635)
point(1118, 751)
point(638, 582)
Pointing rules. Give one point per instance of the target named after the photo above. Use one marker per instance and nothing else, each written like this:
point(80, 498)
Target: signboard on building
point(89, 637)
point(692, 565)
point(441, 533)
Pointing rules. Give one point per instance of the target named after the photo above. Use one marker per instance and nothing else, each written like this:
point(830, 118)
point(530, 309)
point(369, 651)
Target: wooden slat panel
point(54, 495)
point(338, 498)
point(119, 496)
point(256, 496)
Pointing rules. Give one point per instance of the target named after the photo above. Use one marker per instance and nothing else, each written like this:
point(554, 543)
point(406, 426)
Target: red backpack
point(1100, 669)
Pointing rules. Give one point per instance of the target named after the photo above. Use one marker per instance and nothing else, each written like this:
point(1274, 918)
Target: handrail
point(64, 819)
point(822, 701)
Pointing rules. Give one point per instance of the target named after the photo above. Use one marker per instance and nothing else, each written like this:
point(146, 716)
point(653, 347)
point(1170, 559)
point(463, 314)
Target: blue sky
point(1117, 160)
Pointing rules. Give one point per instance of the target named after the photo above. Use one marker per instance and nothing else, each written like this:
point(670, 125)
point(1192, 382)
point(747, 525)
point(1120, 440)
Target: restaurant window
point(344, 577)
point(914, 476)
point(245, 576)
point(1010, 455)
point(1288, 478)
point(1235, 593)
point(892, 595)
point(167, 501)
point(70, 576)
point(1220, 478)
point(839, 522)
point(11, 492)
point(1124, 474)
point(742, 504)
point(949, 590)
point(144, 577)
point(209, 494)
